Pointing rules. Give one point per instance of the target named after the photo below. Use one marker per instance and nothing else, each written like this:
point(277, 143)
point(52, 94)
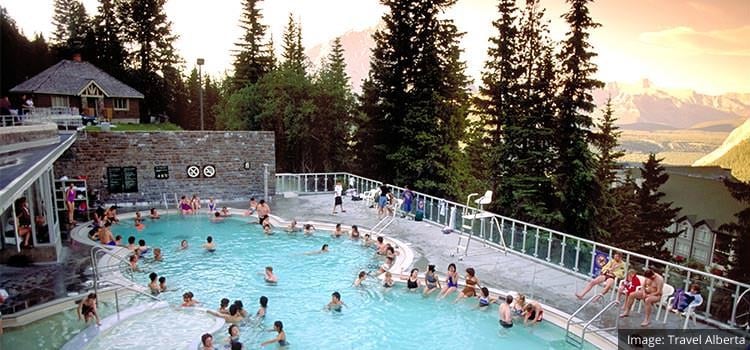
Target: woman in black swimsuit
point(412, 282)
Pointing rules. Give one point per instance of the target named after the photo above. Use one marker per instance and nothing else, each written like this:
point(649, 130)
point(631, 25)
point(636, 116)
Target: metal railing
point(578, 341)
point(66, 117)
point(552, 248)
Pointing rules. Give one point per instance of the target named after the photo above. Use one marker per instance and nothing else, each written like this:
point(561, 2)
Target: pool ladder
point(383, 224)
point(578, 341)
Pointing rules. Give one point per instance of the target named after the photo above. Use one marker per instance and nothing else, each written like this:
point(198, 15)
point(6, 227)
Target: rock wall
point(228, 152)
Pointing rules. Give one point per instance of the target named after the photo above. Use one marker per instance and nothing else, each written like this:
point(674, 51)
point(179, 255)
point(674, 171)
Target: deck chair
point(688, 313)
point(369, 196)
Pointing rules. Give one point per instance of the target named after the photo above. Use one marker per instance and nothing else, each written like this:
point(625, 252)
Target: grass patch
point(137, 127)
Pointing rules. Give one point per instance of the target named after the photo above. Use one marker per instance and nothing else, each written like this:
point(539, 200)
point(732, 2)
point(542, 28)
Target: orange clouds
point(688, 41)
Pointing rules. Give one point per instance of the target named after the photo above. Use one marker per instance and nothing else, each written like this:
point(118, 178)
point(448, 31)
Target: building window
point(682, 249)
point(700, 255)
point(703, 236)
point(60, 101)
point(120, 104)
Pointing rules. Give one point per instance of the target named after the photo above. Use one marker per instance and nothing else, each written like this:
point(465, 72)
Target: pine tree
point(498, 108)
point(254, 57)
point(71, 27)
point(529, 150)
point(740, 262)
point(575, 174)
point(384, 92)
point(335, 105)
point(109, 53)
point(20, 57)
point(293, 53)
point(415, 99)
point(148, 30)
point(653, 216)
point(608, 151)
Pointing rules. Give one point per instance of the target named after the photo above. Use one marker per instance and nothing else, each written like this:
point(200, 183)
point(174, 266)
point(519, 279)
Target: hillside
point(737, 159)
point(677, 147)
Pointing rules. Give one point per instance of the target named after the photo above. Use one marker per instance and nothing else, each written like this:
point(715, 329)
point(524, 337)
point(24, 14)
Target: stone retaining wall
point(94, 152)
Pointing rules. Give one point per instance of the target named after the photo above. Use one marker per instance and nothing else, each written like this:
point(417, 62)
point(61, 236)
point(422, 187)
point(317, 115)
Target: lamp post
point(200, 86)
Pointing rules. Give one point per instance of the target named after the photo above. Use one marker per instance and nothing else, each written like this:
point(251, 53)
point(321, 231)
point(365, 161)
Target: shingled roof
point(71, 77)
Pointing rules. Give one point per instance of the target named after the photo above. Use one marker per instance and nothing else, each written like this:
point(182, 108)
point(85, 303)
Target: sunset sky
point(697, 44)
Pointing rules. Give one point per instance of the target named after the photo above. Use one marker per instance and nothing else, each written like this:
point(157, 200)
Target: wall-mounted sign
point(193, 171)
point(122, 179)
point(209, 171)
point(246, 165)
point(161, 172)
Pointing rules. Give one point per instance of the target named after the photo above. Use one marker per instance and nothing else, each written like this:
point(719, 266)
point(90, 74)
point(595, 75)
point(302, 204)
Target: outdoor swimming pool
point(373, 319)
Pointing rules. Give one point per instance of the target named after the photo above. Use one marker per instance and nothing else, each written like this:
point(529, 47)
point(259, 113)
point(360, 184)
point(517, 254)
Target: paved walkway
point(509, 272)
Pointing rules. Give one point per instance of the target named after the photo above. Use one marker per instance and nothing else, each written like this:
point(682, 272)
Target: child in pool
point(388, 280)
point(336, 303)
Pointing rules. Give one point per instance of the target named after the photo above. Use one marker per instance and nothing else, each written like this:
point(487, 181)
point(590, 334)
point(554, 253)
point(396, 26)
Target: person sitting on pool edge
point(336, 303)
point(504, 313)
point(209, 245)
point(269, 277)
point(280, 337)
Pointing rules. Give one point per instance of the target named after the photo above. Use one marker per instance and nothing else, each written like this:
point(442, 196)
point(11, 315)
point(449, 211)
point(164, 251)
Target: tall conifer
point(254, 53)
point(575, 176)
point(740, 230)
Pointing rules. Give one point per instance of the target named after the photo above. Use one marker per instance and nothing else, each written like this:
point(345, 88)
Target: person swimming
point(323, 250)
point(360, 278)
point(335, 304)
point(278, 327)
point(209, 245)
point(269, 276)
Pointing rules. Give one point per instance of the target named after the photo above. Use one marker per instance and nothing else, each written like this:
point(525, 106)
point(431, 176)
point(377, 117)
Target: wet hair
point(162, 279)
point(217, 214)
point(355, 228)
point(131, 240)
point(187, 295)
point(141, 242)
point(362, 274)
point(336, 295)
point(431, 268)
point(453, 266)
point(252, 198)
point(209, 239)
point(367, 235)
point(205, 336)
point(229, 330)
point(269, 268)
point(118, 237)
point(392, 250)
point(324, 247)
point(190, 294)
point(238, 303)
point(380, 239)
point(224, 302)
point(234, 309)
point(262, 201)
point(338, 225)
point(279, 325)
point(470, 271)
point(152, 210)
point(152, 276)
point(509, 299)
point(413, 271)
point(485, 291)
point(91, 296)
point(649, 273)
point(133, 258)
point(264, 301)
point(183, 197)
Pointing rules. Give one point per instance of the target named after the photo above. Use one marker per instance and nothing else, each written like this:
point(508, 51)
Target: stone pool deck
point(510, 272)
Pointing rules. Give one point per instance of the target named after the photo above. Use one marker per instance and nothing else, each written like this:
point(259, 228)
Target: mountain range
point(638, 106)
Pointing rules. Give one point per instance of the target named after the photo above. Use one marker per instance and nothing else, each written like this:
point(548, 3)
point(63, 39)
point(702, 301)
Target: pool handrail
point(299, 182)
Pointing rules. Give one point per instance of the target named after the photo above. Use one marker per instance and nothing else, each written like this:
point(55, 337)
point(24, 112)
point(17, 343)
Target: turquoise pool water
point(374, 319)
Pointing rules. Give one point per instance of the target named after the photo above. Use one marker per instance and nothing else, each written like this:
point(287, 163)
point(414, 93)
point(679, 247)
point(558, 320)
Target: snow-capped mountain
point(737, 136)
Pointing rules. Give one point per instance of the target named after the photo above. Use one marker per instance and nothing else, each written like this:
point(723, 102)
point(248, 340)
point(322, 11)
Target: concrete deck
point(510, 272)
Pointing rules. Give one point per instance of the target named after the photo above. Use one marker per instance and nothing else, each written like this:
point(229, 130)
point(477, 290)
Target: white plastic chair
point(666, 292)
point(689, 311)
point(369, 196)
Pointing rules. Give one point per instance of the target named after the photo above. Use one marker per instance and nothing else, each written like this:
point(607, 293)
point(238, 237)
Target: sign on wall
point(193, 171)
point(209, 171)
point(122, 179)
point(161, 172)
